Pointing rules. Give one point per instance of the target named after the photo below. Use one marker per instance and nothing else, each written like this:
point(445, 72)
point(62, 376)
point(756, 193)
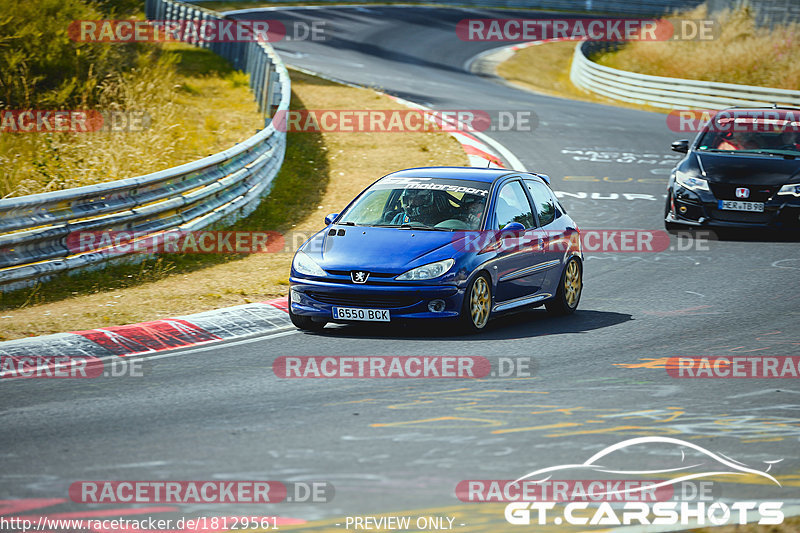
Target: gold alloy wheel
point(479, 301)
point(572, 284)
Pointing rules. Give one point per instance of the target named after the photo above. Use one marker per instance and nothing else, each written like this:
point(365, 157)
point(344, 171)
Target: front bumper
point(316, 299)
point(700, 208)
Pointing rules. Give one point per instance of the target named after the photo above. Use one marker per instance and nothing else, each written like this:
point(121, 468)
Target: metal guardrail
point(622, 7)
point(665, 92)
point(214, 190)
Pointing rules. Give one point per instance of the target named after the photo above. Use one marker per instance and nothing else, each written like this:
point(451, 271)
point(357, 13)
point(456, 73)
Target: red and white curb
point(158, 335)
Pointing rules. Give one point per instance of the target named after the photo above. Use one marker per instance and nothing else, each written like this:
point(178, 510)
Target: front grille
point(727, 191)
point(372, 275)
point(364, 300)
point(746, 217)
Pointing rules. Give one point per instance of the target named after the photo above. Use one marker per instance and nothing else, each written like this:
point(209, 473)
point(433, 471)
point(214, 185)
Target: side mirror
point(514, 227)
point(330, 218)
point(681, 146)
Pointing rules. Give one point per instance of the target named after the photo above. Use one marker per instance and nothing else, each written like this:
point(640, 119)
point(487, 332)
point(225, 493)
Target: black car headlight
point(790, 188)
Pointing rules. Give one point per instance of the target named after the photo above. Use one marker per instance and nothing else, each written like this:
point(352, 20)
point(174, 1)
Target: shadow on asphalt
point(526, 324)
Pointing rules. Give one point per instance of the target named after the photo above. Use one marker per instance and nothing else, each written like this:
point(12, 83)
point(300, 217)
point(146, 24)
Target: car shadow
point(526, 324)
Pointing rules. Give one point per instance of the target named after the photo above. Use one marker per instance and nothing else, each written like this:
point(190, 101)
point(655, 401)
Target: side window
point(513, 206)
point(544, 202)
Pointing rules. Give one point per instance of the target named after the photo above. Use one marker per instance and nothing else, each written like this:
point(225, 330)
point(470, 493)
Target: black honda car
point(742, 170)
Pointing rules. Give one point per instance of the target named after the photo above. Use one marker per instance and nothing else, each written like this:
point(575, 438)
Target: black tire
point(478, 295)
point(569, 290)
point(306, 323)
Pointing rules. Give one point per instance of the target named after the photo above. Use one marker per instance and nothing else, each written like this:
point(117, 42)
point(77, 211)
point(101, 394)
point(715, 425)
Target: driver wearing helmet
point(472, 208)
point(418, 206)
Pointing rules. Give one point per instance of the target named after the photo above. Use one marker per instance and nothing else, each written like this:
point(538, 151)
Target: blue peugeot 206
point(440, 243)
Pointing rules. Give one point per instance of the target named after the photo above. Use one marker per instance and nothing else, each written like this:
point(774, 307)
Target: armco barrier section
point(215, 190)
point(665, 92)
point(622, 7)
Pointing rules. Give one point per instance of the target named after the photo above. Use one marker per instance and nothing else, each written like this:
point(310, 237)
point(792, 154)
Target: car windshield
point(752, 135)
point(420, 202)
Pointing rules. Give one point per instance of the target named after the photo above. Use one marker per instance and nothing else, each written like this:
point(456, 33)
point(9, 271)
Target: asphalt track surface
point(219, 412)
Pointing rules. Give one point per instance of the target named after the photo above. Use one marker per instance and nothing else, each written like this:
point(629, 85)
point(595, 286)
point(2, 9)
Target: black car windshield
point(420, 202)
point(752, 135)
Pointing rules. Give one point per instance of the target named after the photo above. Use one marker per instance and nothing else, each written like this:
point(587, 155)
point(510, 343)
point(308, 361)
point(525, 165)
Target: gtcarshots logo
point(696, 507)
point(200, 492)
point(403, 367)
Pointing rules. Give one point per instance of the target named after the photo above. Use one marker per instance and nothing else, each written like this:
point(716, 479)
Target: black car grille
point(741, 216)
point(364, 300)
point(727, 191)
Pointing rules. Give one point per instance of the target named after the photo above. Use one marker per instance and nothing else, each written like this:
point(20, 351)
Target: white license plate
point(736, 205)
point(365, 315)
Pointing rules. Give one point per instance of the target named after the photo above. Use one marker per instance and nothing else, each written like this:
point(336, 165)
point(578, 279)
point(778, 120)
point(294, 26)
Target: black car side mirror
point(681, 146)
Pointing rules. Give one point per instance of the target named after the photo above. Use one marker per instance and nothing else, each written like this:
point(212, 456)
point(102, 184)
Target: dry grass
point(346, 161)
point(741, 53)
point(197, 106)
point(544, 68)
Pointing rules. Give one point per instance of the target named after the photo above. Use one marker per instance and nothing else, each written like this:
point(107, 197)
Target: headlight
point(429, 271)
point(791, 188)
point(303, 264)
point(694, 184)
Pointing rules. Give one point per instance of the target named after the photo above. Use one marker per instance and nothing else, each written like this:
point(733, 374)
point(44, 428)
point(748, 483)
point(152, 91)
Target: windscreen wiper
point(411, 226)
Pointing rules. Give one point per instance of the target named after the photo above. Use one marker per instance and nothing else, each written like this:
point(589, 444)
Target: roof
point(486, 175)
point(793, 113)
